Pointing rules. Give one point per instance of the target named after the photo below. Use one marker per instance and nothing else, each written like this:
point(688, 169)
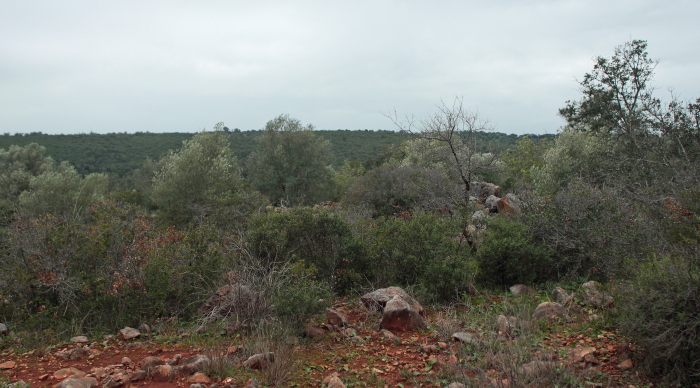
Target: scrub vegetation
point(145, 228)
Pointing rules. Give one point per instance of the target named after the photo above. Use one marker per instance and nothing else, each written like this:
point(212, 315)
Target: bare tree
point(456, 130)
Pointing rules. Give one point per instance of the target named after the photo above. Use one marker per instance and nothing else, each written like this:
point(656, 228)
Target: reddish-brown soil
point(415, 359)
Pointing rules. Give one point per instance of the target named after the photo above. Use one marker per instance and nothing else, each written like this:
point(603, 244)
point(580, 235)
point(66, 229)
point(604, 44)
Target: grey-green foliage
point(194, 181)
point(574, 155)
point(18, 165)
point(290, 163)
point(61, 190)
point(433, 154)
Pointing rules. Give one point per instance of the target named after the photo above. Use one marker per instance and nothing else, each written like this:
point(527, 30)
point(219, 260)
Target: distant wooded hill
point(120, 153)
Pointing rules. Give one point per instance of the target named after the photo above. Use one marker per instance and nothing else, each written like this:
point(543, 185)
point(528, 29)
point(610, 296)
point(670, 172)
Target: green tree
point(63, 191)
point(290, 163)
point(194, 181)
point(18, 165)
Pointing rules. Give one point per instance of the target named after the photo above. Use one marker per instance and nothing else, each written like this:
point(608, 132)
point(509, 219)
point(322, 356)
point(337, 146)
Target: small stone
point(560, 296)
point(389, 335)
point(578, 353)
point(68, 372)
point(200, 378)
point(521, 289)
point(149, 363)
point(18, 384)
point(138, 375)
point(357, 340)
point(505, 324)
point(3, 329)
point(8, 365)
point(163, 373)
point(333, 381)
point(549, 310)
point(83, 382)
point(198, 385)
point(456, 385)
point(126, 360)
point(463, 337)
point(100, 373)
point(144, 328)
point(259, 361)
point(625, 365)
point(173, 361)
point(81, 339)
point(336, 318)
point(129, 333)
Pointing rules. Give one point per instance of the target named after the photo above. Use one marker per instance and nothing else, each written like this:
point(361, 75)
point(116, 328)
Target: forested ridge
point(568, 260)
point(122, 153)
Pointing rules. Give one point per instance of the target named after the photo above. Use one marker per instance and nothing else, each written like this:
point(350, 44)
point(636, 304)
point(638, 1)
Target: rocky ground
point(357, 344)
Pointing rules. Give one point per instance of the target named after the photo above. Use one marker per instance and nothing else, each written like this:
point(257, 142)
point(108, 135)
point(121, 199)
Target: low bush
point(422, 250)
point(509, 255)
point(317, 237)
point(660, 309)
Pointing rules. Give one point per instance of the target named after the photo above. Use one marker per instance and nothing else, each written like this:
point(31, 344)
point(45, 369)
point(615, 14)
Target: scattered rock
point(78, 353)
point(83, 382)
point(68, 372)
point(483, 190)
point(508, 204)
point(491, 203)
point(357, 340)
point(401, 315)
point(138, 375)
point(594, 298)
point(311, 331)
point(336, 318)
point(505, 324)
point(560, 296)
point(333, 381)
point(625, 365)
point(163, 373)
point(260, 361)
point(200, 378)
point(456, 385)
point(198, 385)
point(144, 328)
point(578, 353)
point(81, 339)
point(126, 360)
point(129, 333)
point(521, 289)
point(549, 310)
point(463, 337)
point(8, 365)
point(3, 329)
point(149, 363)
point(377, 300)
point(174, 360)
point(389, 335)
point(192, 365)
point(18, 384)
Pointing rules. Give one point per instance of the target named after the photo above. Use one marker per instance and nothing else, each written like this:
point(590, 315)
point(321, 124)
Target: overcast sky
point(181, 66)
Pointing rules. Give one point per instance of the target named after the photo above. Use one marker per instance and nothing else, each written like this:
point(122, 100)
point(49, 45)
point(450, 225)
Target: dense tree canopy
point(191, 182)
point(291, 164)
